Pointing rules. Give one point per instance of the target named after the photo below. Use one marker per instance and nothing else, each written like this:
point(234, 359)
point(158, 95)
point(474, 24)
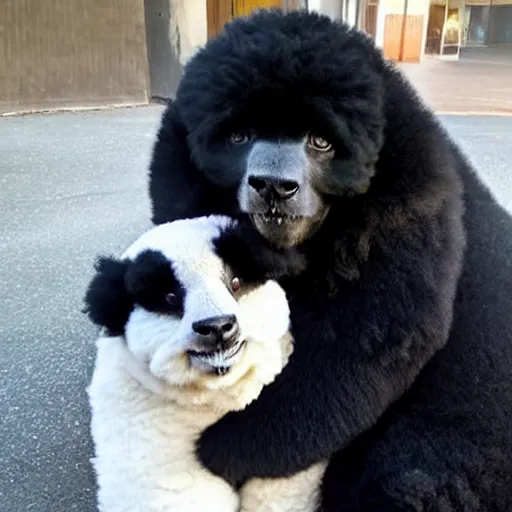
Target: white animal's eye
point(171, 299)
point(241, 137)
point(319, 143)
point(236, 284)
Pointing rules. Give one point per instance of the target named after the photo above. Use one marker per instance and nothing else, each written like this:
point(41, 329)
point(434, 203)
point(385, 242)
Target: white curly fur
point(149, 405)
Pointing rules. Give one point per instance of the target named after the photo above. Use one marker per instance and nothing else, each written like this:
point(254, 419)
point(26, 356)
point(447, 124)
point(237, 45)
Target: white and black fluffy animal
point(186, 340)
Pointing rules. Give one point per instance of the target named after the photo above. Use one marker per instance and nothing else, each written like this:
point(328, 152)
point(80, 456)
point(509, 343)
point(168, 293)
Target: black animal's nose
point(217, 330)
point(279, 189)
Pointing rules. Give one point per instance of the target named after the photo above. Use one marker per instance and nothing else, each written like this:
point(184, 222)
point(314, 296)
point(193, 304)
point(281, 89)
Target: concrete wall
point(71, 53)
point(190, 17)
point(175, 29)
point(331, 8)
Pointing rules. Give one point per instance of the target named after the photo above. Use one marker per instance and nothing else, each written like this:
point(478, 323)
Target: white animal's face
point(189, 319)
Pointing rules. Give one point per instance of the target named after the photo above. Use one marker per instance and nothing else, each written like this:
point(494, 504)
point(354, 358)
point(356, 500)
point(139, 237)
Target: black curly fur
point(150, 278)
point(402, 370)
point(119, 285)
point(107, 302)
point(249, 256)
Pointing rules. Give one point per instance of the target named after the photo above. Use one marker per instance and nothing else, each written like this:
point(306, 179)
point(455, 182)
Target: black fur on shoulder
point(251, 257)
point(172, 166)
point(108, 303)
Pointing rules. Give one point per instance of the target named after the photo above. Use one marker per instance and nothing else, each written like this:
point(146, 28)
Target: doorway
point(220, 12)
point(445, 29)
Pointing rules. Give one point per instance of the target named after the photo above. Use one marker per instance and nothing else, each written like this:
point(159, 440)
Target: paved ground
point(480, 81)
point(72, 186)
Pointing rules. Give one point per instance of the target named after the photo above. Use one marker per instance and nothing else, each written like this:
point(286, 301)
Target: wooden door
point(393, 36)
point(402, 40)
point(413, 38)
point(220, 12)
point(244, 7)
point(370, 24)
point(435, 28)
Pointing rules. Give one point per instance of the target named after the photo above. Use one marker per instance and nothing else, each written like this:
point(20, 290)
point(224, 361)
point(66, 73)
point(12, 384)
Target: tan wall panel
point(392, 36)
point(60, 53)
point(413, 37)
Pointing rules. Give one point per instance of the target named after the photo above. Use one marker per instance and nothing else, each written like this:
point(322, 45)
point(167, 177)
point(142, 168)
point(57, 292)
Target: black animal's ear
point(253, 259)
point(108, 303)
point(177, 188)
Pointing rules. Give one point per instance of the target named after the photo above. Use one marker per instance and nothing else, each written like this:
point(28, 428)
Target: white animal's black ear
point(252, 258)
point(108, 303)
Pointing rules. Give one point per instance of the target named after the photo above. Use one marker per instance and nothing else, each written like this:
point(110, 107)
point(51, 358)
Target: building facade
point(57, 54)
point(406, 30)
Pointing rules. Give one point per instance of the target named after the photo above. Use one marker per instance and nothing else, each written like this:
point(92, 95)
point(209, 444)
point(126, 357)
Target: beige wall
point(70, 53)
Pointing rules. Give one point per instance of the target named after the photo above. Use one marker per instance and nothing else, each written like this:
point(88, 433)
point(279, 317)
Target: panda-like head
point(197, 302)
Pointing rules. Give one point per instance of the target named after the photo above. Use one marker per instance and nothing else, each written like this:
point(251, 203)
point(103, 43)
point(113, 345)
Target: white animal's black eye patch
point(151, 281)
point(252, 259)
point(118, 285)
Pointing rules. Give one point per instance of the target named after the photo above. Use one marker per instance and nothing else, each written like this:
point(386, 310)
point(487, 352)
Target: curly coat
point(402, 367)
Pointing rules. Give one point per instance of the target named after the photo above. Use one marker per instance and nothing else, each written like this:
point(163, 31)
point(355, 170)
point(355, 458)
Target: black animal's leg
point(417, 467)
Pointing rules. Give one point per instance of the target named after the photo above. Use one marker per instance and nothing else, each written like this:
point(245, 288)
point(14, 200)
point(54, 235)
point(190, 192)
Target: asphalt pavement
point(72, 186)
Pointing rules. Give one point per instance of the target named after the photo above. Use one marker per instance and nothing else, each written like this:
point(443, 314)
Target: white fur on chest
point(150, 399)
point(144, 445)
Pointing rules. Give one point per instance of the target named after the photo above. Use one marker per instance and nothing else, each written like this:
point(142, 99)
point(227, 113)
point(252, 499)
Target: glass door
point(476, 22)
point(452, 32)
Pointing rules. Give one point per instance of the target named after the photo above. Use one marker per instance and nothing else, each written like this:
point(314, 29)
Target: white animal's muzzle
point(210, 330)
point(218, 342)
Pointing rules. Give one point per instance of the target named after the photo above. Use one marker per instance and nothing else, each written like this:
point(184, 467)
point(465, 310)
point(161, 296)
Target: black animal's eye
point(239, 137)
point(236, 284)
point(319, 143)
point(171, 299)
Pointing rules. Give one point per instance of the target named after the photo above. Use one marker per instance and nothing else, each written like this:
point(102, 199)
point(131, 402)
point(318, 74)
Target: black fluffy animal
point(402, 371)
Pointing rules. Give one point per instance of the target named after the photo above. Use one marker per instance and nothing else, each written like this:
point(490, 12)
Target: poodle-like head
point(279, 118)
point(196, 305)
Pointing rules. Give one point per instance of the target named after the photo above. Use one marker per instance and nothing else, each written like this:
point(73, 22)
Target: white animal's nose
point(218, 331)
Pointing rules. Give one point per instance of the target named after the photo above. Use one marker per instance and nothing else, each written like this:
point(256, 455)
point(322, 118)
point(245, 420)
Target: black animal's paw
point(215, 450)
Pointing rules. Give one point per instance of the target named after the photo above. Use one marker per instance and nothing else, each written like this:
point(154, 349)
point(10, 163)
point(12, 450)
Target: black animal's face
point(286, 125)
point(284, 180)
point(278, 189)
